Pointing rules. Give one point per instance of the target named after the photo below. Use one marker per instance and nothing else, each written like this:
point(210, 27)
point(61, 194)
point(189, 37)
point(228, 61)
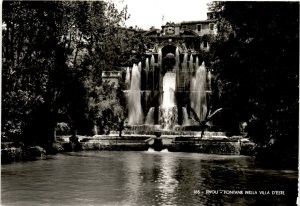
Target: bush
point(62, 128)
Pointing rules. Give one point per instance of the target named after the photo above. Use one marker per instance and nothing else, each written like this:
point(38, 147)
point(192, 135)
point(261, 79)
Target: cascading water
point(152, 61)
point(168, 109)
point(176, 68)
point(186, 121)
point(197, 62)
point(159, 58)
point(147, 65)
point(127, 78)
point(177, 58)
point(191, 69)
point(185, 57)
point(198, 92)
point(135, 112)
point(150, 117)
point(191, 65)
point(184, 77)
point(152, 69)
point(147, 71)
point(169, 86)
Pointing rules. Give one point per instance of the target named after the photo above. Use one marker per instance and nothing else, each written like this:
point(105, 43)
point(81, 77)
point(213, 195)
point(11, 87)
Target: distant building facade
point(188, 36)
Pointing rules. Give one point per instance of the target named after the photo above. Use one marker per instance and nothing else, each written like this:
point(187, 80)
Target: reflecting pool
point(145, 178)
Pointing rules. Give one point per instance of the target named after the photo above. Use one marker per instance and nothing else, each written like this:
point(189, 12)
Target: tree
point(53, 57)
point(256, 55)
point(103, 45)
point(33, 67)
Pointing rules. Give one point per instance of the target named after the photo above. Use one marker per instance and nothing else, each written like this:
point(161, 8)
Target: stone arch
point(170, 48)
point(168, 57)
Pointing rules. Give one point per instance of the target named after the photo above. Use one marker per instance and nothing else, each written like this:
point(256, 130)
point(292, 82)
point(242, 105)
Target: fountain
point(176, 93)
point(135, 113)
point(159, 58)
point(127, 78)
point(197, 62)
point(169, 99)
point(173, 90)
point(185, 77)
point(191, 64)
point(198, 92)
point(168, 110)
point(147, 65)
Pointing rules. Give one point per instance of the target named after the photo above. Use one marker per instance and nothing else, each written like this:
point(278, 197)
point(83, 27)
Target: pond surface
point(145, 178)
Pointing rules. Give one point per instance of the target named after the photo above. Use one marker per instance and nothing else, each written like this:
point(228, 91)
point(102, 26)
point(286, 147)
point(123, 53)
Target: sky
point(147, 13)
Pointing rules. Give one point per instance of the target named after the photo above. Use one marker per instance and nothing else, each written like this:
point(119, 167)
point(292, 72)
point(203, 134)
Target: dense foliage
point(54, 53)
point(256, 57)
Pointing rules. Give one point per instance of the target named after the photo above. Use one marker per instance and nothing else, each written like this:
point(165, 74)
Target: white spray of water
point(185, 117)
point(197, 62)
point(169, 86)
point(191, 64)
point(135, 116)
point(147, 65)
point(150, 150)
point(127, 78)
point(146, 73)
point(184, 70)
point(185, 57)
point(198, 92)
point(176, 67)
point(152, 68)
point(152, 62)
point(168, 110)
point(150, 117)
point(159, 58)
point(177, 58)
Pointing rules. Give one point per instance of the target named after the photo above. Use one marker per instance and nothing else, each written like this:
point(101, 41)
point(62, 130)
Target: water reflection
point(166, 183)
point(142, 178)
point(132, 187)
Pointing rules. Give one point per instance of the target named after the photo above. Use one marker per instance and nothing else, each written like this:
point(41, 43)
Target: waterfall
point(127, 78)
point(135, 116)
point(177, 58)
point(146, 73)
point(168, 109)
point(152, 62)
point(184, 73)
point(186, 121)
point(185, 117)
point(152, 69)
point(185, 57)
point(184, 63)
point(198, 92)
point(169, 86)
point(191, 64)
point(159, 58)
point(150, 117)
point(176, 68)
point(147, 65)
